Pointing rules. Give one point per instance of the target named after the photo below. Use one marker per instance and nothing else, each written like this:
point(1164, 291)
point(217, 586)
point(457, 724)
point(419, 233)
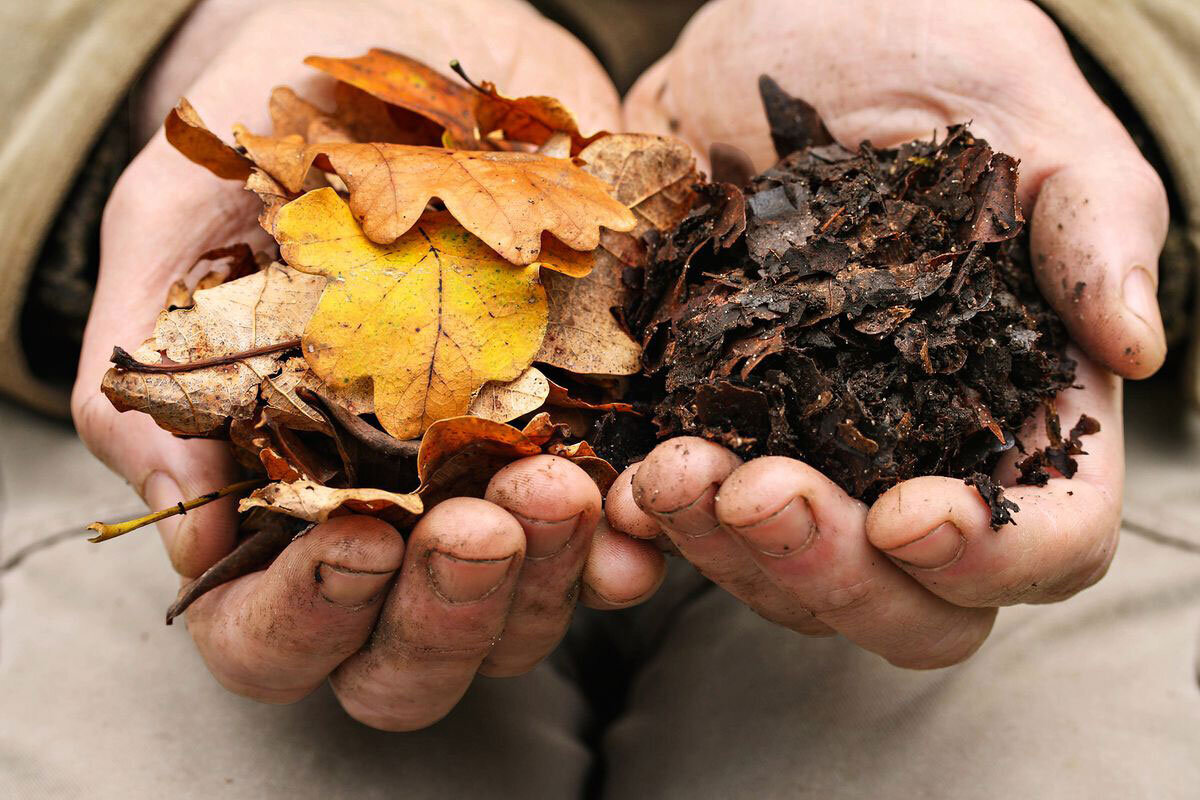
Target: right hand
point(483, 585)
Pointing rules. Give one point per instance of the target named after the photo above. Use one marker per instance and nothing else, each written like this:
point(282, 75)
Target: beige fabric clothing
point(1096, 697)
point(65, 64)
point(1152, 49)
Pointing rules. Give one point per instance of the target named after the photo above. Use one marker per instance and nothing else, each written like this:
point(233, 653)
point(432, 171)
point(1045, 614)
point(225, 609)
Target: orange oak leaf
point(506, 199)
point(188, 134)
point(532, 119)
point(409, 84)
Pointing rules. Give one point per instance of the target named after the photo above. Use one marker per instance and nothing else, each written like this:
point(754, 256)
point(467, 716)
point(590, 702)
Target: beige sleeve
point(65, 66)
point(1152, 49)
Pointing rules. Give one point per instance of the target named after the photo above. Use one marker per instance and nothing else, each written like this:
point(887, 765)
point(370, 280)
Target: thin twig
point(363, 431)
point(105, 532)
point(122, 359)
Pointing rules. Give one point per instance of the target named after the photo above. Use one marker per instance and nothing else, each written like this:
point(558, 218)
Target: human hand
point(483, 585)
point(889, 73)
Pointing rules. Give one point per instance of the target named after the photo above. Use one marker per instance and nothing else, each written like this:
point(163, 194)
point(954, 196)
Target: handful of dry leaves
point(462, 279)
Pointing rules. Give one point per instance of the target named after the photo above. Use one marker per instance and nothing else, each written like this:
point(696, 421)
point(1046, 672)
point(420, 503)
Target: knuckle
point(847, 598)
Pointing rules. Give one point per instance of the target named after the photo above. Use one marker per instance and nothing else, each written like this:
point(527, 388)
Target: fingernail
point(939, 548)
point(544, 539)
point(1141, 297)
point(161, 491)
point(350, 588)
point(462, 580)
point(789, 530)
point(694, 520)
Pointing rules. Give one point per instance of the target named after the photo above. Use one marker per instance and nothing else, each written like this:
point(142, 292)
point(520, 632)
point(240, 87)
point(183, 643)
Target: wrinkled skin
point(783, 538)
point(481, 586)
point(487, 585)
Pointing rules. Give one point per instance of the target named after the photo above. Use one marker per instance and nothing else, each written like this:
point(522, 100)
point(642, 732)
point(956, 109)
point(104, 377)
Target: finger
point(677, 486)
point(558, 506)
point(1064, 536)
point(621, 571)
point(807, 536)
point(622, 510)
point(440, 621)
point(1097, 230)
point(276, 635)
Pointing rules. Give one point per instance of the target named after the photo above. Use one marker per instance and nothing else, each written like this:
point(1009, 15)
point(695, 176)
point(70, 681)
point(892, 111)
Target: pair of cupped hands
point(488, 585)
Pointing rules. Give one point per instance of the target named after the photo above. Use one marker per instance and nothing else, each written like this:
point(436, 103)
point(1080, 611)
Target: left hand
point(776, 533)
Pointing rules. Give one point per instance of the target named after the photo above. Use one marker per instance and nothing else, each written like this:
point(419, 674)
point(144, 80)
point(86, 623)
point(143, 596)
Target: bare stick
point(366, 433)
point(106, 532)
point(123, 360)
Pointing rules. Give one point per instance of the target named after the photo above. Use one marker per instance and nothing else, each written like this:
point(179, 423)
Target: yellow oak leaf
point(427, 319)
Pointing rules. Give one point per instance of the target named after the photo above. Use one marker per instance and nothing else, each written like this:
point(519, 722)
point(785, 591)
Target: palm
point(889, 72)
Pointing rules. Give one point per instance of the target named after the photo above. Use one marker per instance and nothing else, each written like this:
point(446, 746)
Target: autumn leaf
point(409, 84)
point(532, 119)
point(189, 135)
point(426, 320)
point(459, 455)
point(316, 503)
point(559, 397)
point(653, 176)
point(504, 401)
point(638, 165)
point(267, 308)
point(241, 262)
point(582, 335)
point(506, 199)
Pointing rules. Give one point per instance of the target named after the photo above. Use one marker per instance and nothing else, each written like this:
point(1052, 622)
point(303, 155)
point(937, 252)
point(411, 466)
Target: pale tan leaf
point(259, 310)
point(501, 402)
point(316, 503)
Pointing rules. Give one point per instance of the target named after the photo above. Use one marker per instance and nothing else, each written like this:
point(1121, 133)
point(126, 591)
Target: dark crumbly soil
point(871, 312)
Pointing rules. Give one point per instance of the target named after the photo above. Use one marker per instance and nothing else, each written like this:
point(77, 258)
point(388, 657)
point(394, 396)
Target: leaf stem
point(366, 433)
point(105, 532)
point(122, 359)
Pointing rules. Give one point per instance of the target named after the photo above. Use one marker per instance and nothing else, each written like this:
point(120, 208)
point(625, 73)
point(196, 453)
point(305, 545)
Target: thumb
point(1098, 227)
point(145, 245)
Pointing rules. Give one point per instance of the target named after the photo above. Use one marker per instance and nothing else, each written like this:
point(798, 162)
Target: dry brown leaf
point(532, 119)
point(291, 114)
point(409, 84)
point(241, 262)
point(582, 335)
point(559, 397)
point(370, 119)
point(188, 134)
point(638, 165)
point(500, 402)
point(272, 195)
point(262, 309)
point(425, 321)
point(316, 503)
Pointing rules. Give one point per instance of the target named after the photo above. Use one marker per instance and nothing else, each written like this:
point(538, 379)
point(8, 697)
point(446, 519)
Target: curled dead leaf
point(189, 135)
point(504, 401)
point(316, 503)
point(409, 84)
point(259, 310)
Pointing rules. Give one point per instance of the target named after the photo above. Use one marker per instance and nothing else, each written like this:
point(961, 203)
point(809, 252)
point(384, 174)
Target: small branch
point(122, 359)
point(106, 532)
point(364, 432)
